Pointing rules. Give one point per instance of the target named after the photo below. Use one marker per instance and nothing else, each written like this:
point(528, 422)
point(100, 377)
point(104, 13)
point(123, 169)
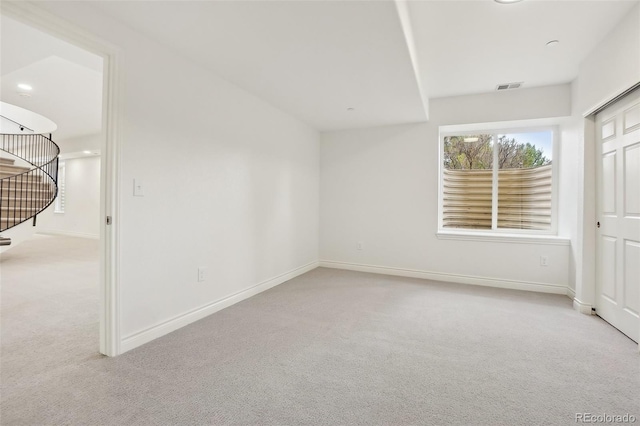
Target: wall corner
point(581, 307)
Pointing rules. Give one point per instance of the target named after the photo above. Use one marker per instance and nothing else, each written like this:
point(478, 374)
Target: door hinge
point(109, 220)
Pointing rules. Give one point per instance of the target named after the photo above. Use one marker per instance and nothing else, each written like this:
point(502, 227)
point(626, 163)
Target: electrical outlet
point(544, 260)
point(202, 274)
point(359, 245)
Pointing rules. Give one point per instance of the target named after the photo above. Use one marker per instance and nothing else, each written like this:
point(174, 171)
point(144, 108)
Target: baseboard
point(442, 276)
point(69, 234)
point(583, 308)
point(571, 293)
point(166, 327)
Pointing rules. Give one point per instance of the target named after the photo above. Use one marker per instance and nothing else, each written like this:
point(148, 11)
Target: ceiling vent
point(508, 86)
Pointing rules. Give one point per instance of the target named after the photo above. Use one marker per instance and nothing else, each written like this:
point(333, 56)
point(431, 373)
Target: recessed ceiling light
point(23, 86)
point(553, 43)
point(351, 109)
point(86, 152)
point(507, 1)
point(471, 139)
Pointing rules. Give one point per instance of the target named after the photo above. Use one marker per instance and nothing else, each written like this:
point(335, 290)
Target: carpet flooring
point(329, 347)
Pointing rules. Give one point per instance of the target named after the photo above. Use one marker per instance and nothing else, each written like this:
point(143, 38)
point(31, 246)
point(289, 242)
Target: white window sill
point(495, 237)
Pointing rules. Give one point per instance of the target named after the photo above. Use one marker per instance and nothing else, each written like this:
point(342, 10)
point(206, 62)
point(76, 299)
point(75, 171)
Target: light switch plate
point(138, 188)
point(202, 274)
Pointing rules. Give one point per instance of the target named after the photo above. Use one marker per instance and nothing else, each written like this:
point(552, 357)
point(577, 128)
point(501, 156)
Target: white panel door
point(618, 209)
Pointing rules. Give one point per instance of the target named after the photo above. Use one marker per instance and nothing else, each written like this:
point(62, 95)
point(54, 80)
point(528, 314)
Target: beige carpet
point(329, 348)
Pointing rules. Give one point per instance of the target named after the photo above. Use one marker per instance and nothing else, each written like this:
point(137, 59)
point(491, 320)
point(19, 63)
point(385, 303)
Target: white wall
point(568, 193)
point(81, 215)
point(379, 186)
point(611, 68)
point(230, 184)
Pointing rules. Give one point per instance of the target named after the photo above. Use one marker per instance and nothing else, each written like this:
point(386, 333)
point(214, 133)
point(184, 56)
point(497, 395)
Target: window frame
point(60, 201)
point(495, 233)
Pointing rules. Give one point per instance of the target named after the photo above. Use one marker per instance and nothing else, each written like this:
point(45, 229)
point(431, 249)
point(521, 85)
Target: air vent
point(508, 86)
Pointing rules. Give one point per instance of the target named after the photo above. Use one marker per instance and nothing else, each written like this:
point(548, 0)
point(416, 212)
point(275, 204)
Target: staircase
point(28, 178)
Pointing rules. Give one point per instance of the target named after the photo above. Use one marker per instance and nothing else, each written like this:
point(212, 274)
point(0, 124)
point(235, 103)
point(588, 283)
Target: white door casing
point(618, 214)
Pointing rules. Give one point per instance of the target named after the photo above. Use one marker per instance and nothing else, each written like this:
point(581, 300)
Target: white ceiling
point(66, 80)
point(467, 47)
point(316, 59)
point(313, 59)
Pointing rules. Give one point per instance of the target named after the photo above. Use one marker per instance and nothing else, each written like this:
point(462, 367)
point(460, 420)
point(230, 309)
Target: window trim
point(58, 207)
point(495, 234)
point(487, 236)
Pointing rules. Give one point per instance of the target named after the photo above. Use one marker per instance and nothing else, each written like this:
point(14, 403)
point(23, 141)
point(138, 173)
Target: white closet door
point(618, 209)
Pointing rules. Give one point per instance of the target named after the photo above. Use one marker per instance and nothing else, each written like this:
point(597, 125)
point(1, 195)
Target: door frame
point(109, 289)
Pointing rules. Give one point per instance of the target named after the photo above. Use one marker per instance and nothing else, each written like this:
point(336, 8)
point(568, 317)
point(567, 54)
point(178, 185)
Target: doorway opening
point(53, 281)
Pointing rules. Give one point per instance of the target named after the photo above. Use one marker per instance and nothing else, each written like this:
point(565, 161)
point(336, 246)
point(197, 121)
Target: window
point(498, 181)
point(59, 203)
